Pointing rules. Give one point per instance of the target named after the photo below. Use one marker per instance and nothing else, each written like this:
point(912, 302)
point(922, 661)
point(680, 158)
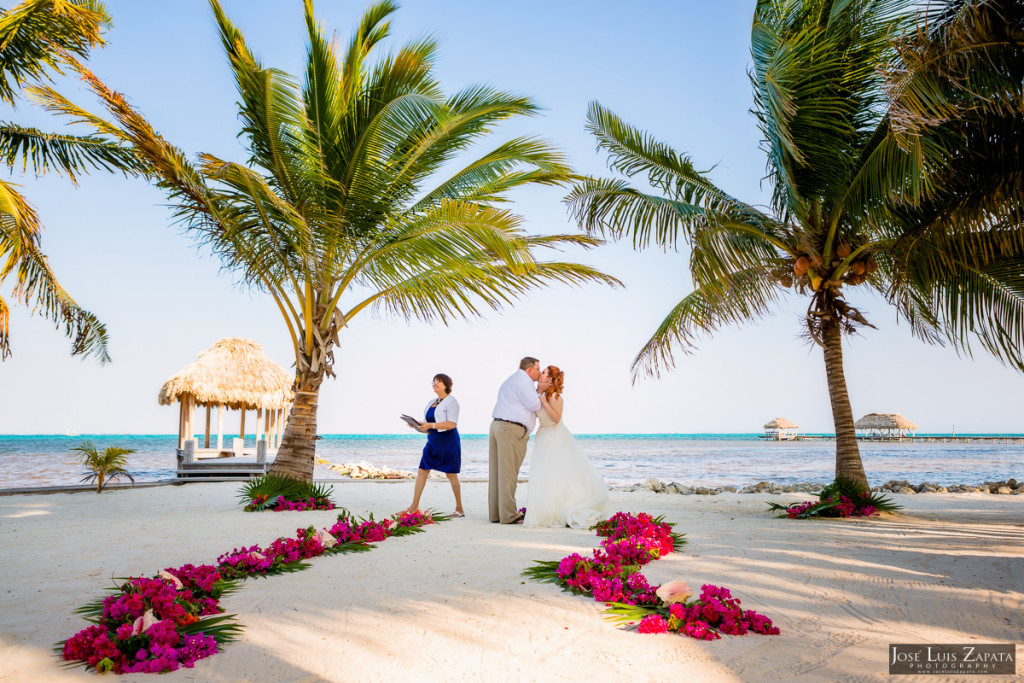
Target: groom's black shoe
point(518, 519)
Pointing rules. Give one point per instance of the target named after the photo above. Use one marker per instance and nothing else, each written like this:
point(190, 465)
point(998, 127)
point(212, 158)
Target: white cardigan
point(446, 411)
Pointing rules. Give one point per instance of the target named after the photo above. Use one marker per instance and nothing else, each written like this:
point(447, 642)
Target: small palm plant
point(104, 465)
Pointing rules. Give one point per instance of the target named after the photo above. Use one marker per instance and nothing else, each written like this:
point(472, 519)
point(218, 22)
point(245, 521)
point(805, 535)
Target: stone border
point(1010, 486)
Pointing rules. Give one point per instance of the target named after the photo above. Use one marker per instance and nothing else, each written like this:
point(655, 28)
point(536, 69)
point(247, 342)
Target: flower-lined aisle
point(175, 619)
point(612, 576)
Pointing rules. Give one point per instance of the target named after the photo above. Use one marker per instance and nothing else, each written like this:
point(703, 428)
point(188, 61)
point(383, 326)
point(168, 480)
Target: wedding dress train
point(564, 487)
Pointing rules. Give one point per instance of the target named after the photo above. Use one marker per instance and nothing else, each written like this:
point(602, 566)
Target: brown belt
point(512, 422)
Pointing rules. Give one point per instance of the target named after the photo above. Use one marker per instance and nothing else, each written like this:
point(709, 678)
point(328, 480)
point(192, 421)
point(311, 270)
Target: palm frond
point(817, 87)
point(40, 152)
point(970, 294)
point(36, 284)
point(632, 151)
point(743, 295)
point(38, 36)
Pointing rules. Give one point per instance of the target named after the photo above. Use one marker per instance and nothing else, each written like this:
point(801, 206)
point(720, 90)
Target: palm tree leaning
point(40, 38)
point(340, 210)
point(860, 197)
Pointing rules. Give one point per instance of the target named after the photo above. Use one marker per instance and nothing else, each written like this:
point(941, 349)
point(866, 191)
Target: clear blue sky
point(677, 69)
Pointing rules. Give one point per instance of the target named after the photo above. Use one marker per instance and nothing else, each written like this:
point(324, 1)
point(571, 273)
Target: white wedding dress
point(564, 488)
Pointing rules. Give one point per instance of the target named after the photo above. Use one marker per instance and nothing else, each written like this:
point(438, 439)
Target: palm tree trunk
point(298, 446)
point(848, 462)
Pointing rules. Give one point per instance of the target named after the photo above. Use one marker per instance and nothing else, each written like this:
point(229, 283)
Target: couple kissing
point(564, 487)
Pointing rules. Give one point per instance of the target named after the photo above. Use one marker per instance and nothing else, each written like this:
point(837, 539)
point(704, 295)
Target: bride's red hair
point(557, 381)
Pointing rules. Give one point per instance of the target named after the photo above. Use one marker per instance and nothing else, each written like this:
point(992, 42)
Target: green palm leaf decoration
point(892, 133)
point(347, 202)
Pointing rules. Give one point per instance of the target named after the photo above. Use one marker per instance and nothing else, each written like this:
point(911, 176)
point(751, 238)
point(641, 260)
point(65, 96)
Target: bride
point(564, 488)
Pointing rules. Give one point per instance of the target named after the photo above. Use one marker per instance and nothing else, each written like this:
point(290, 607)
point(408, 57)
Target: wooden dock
point(1015, 439)
point(213, 465)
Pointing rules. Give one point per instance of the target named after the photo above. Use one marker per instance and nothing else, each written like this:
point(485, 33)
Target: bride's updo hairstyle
point(557, 380)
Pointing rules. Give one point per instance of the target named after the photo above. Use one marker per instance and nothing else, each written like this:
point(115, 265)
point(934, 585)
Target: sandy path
point(450, 604)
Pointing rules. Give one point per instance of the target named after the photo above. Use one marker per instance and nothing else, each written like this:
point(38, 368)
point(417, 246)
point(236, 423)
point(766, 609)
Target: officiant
point(443, 450)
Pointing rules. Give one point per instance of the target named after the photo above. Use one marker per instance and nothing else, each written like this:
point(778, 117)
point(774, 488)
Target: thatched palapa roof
point(781, 423)
point(234, 372)
point(884, 421)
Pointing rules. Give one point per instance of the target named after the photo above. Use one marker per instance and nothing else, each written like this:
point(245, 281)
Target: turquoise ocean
point(691, 459)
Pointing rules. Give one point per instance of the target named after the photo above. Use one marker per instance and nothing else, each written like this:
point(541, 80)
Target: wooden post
point(190, 408)
point(259, 423)
point(181, 423)
point(242, 429)
point(261, 451)
point(190, 451)
point(206, 441)
point(220, 427)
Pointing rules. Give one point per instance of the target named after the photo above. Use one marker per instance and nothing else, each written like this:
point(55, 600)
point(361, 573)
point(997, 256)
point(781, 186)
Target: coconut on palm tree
point(38, 39)
point(861, 199)
point(355, 197)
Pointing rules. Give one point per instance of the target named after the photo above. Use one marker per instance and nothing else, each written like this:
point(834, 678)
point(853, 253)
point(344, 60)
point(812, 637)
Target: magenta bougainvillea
point(612, 575)
point(155, 625)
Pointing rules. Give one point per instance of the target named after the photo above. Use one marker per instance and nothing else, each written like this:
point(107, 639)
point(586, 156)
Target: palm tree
point(340, 209)
point(104, 466)
point(39, 38)
point(958, 85)
point(858, 200)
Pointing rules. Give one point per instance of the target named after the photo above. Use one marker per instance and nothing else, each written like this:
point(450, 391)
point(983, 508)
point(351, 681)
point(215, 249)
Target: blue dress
point(443, 451)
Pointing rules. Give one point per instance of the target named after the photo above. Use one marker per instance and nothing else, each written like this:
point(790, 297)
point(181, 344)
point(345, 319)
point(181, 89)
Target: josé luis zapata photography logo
point(952, 659)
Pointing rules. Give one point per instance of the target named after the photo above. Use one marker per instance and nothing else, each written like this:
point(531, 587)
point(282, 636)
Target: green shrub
point(264, 493)
point(103, 465)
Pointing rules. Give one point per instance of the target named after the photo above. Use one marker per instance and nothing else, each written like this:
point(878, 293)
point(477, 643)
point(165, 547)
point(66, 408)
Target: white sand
point(450, 604)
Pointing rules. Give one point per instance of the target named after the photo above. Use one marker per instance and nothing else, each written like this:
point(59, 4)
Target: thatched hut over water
point(780, 429)
point(234, 374)
point(885, 424)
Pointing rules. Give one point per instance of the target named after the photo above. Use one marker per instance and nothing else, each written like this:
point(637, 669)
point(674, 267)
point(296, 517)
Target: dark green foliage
point(844, 497)
point(262, 493)
point(852, 489)
point(545, 571)
point(103, 465)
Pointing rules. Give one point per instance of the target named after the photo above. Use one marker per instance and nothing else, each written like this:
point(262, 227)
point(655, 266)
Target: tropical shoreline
point(425, 607)
point(1010, 487)
point(711, 461)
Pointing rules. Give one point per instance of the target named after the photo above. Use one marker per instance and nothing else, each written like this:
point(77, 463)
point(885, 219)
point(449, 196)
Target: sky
point(677, 69)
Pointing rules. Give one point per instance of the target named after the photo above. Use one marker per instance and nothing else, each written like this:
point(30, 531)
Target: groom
point(514, 418)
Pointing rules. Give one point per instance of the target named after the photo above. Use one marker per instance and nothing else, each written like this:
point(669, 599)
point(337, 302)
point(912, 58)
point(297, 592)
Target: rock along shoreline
point(1008, 487)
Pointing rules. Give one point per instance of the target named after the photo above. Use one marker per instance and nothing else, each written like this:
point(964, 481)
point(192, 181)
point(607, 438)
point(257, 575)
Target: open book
point(412, 422)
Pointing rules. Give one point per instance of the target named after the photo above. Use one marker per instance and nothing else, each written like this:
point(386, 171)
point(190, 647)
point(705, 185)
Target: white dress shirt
point(518, 401)
point(446, 411)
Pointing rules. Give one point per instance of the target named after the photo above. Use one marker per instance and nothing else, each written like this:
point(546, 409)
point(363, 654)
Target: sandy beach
point(450, 604)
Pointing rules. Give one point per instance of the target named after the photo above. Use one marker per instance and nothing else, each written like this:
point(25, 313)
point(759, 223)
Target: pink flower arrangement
point(833, 506)
point(612, 576)
point(310, 503)
point(407, 519)
point(153, 625)
point(139, 626)
point(715, 612)
point(653, 623)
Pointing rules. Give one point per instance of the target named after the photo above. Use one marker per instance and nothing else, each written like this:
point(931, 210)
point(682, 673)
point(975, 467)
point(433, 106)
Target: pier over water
point(930, 438)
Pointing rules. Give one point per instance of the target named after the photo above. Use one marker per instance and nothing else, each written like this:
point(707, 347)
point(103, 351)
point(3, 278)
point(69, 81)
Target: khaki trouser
point(506, 451)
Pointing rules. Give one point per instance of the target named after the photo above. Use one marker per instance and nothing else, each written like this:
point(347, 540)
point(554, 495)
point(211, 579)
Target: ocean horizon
point(705, 459)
